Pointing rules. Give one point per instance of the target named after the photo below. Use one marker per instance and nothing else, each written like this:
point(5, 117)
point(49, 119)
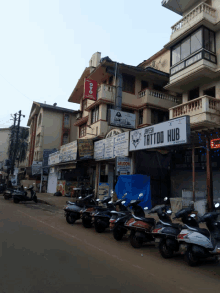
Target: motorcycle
point(102, 218)
point(22, 195)
point(197, 243)
point(73, 209)
point(166, 232)
point(88, 213)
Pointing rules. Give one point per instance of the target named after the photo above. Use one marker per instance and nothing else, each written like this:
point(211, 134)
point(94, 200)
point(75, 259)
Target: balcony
point(106, 92)
point(159, 99)
point(203, 111)
point(201, 14)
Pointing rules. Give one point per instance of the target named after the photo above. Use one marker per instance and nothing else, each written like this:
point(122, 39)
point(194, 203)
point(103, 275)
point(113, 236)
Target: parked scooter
point(2, 187)
point(197, 243)
point(73, 209)
point(22, 196)
point(166, 232)
point(102, 218)
point(9, 191)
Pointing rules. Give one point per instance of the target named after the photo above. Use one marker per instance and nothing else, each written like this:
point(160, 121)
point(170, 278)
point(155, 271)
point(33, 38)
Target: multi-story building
point(194, 72)
point(50, 128)
point(137, 89)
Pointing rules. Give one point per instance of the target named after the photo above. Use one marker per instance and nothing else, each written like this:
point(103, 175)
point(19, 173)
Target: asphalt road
point(40, 252)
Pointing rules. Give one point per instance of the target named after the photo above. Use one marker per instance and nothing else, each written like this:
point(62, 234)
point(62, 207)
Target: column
point(209, 182)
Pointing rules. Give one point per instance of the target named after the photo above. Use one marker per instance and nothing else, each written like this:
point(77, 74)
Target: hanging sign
point(85, 147)
point(169, 133)
point(90, 89)
point(122, 119)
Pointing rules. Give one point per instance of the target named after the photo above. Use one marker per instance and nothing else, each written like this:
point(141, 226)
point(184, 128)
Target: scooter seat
point(146, 220)
point(174, 225)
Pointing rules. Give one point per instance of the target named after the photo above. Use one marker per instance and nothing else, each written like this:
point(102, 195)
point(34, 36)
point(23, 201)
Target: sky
point(46, 45)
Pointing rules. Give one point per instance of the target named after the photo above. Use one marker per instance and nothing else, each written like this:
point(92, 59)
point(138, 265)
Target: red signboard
point(90, 89)
point(215, 143)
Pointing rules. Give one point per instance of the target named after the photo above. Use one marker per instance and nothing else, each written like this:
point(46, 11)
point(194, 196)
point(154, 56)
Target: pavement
point(40, 252)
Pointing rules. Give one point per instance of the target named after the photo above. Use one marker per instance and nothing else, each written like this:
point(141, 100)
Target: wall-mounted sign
point(172, 132)
point(54, 158)
point(52, 170)
point(85, 147)
point(215, 143)
point(68, 152)
point(114, 132)
point(36, 167)
point(123, 166)
point(90, 89)
point(112, 147)
point(122, 119)
point(103, 190)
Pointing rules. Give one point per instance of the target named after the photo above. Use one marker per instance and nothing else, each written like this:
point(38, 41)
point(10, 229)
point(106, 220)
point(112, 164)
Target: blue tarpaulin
point(133, 185)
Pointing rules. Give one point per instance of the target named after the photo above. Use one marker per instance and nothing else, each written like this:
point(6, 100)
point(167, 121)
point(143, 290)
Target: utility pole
point(12, 136)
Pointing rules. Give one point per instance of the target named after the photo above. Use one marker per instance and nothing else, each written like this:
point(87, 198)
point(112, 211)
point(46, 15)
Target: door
point(52, 183)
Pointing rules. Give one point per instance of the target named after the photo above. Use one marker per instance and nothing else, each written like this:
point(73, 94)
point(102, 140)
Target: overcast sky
point(46, 45)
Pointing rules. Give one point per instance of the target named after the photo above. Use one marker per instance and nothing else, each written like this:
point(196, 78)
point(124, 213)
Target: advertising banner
point(54, 158)
point(90, 89)
point(172, 132)
point(85, 147)
point(123, 166)
point(122, 119)
point(103, 190)
point(68, 152)
point(36, 167)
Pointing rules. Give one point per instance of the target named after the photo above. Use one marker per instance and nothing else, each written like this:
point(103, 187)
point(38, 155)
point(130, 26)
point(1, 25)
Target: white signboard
point(123, 166)
point(68, 152)
point(54, 158)
point(122, 119)
point(112, 147)
point(172, 132)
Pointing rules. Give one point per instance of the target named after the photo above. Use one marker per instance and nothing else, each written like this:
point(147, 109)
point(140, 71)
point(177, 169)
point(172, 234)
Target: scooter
point(166, 232)
point(9, 191)
point(2, 187)
point(22, 196)
point(73, 209)
point(197, 243)
point(102, 218)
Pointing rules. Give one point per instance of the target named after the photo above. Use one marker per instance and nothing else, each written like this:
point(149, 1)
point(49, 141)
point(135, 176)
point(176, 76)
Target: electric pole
point(12, 139)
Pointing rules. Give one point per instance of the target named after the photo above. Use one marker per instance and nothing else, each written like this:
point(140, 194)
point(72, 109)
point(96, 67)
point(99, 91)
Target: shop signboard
point(215, 143)
point(123, 166)
point(103, 190)
point(85, 147)
point(54, 158)
point(112, 147)
point(90, 89)
point(169, 133)
point(68, 152)
point(122, 119)
point(36, 167)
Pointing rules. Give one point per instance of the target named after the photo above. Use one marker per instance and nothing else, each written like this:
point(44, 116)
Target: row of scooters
point(20, 194)
point(123, 216)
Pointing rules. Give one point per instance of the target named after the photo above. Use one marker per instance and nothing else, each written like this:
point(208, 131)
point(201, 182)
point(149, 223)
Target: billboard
point(90, 89)
point(122, 119)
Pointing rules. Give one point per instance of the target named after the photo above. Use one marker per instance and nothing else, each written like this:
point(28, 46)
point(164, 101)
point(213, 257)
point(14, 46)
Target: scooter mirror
point(123, 202)
point(193, 216)
point(98, 199)
point(165, 198)
point(146, 208)
point(169, 212)
point(112, 191)
point(80, 197)
point(110, 201)
point(141, 194)
point(217, 205)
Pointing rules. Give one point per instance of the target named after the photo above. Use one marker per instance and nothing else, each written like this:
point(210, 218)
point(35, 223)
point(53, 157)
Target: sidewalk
point(58, 201)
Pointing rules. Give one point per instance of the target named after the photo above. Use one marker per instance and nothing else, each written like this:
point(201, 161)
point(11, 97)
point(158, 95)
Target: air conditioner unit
point(78, 116)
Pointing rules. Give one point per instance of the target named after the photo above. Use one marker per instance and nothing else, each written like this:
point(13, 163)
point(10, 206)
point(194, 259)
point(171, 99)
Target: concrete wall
point(4, 143)
point(162, 62)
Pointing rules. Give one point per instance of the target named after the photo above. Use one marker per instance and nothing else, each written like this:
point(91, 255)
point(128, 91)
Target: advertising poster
point(85, 148)
point(123, 166)
point(103, 190)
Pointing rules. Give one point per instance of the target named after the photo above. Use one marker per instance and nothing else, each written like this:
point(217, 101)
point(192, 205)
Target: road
point(40, 252)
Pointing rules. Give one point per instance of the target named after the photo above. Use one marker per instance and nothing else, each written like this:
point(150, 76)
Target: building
point(137, 90)
point(51, 127)
point(194, 73)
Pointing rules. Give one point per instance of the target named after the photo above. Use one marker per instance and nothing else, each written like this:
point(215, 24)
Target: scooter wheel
point(87, 222)
point(191, 259)
point(35, 200)
point(99, 228)
point(16, 200)
point(70, 219)
point(118, 233)
point(135, 241)
point(165, 251)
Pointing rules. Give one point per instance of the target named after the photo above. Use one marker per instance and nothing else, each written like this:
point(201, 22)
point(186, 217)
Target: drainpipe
point(118, 99)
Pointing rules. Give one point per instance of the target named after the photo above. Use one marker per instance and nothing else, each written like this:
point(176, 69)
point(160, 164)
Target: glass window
point(144, 84)
point(212, 42)
point(176, 55)
point(206, 39)
point(82, 130)
point(95, 115)
point(140, 117)
point(65, 138)
point(185, 48)
point(128, 83)
point(66, 120)
point(196, 41)
point(107, 112)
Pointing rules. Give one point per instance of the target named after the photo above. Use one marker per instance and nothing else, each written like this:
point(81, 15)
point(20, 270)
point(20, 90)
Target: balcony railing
point(203, 7)
point(159, 95)
point(105, 91)
point(204, 104)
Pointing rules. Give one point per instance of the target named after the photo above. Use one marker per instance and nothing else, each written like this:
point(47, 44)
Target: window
point(176, 55)
point(128, 83)
point(82, 130)
point(196, 41)
point(157, 87)
point(127, 110)
point(158, 116)
point(95, 115)
point(144, 85)
point(84, 105)
point(210, 92)
point(140, 117)
point(185, 48)
point(66, 120)
point(39, 119)
point(194, 94)
point(110, 81)
point(65, 138)
point(209, 40)
point(107, 112)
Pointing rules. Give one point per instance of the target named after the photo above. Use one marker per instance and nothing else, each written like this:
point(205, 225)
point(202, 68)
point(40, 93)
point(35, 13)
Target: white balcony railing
point(200, 105)
point(201, 8)
point(105, 91)
point(159, 95)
